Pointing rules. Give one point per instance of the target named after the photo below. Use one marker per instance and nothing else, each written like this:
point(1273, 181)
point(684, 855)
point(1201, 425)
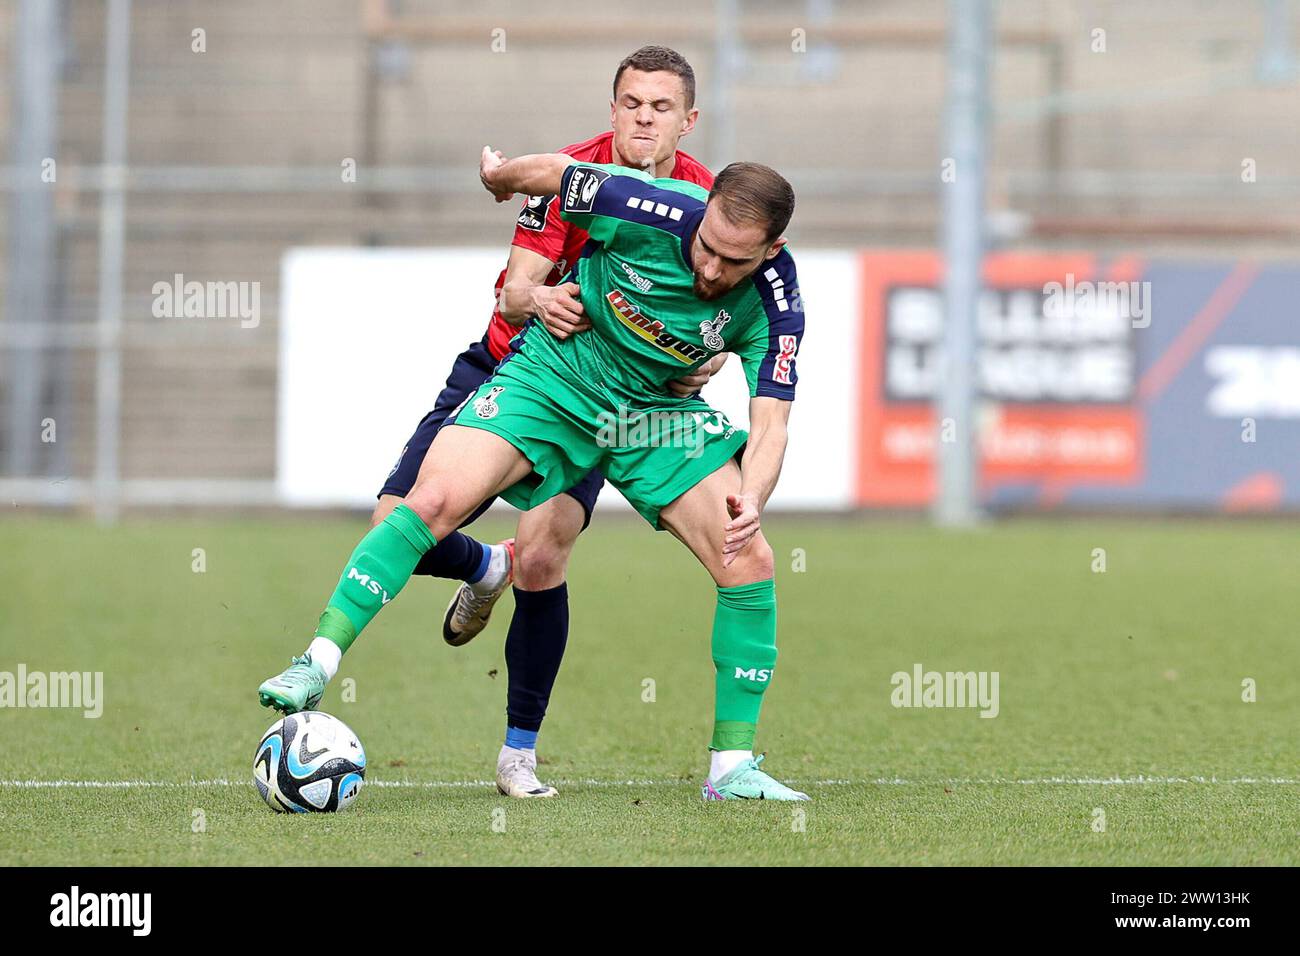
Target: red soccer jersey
point(541, 230)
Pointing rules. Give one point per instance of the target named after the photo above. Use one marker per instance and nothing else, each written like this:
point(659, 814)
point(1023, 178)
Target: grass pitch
point(1121, 693)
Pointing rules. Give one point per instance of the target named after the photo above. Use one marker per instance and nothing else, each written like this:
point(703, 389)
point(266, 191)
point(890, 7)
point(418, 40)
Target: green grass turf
point(1135, 672)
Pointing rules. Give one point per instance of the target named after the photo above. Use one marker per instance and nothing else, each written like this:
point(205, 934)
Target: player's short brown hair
point(752, 192)
point(650, 59)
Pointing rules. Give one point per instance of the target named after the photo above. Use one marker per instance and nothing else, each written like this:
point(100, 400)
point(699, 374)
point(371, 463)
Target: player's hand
point(743, 510)
point(688, 385)
point(560, 309)
point(489, 163)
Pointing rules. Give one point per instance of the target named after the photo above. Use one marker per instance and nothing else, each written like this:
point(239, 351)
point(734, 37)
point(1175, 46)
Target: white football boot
point(469, 610)
point(517, 774)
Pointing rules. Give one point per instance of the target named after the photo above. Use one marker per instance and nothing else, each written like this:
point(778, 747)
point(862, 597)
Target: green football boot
point(747, 782)
point(300, 687)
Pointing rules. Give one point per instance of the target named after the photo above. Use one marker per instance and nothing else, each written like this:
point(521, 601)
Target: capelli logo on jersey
point(652, 330)
point(638, 280)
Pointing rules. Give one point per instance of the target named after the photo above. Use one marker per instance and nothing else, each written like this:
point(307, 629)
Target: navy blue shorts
point(472, 368)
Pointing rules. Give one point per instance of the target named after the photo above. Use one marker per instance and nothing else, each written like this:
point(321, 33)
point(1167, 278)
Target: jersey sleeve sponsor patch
point(778, 290)
point(533, 215)
point(583, 184)
point(600, 198)
point(783, 367)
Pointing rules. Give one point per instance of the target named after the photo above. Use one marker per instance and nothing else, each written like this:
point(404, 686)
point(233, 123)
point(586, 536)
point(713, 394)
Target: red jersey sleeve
point(540, 229)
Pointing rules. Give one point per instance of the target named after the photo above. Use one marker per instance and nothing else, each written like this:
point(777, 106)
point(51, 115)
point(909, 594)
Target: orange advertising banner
point(1057, 384)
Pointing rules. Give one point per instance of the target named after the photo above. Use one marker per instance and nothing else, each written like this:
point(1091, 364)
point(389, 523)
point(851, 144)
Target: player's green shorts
point(650, 453)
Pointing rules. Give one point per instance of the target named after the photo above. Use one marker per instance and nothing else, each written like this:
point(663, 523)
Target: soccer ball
point(309, 763)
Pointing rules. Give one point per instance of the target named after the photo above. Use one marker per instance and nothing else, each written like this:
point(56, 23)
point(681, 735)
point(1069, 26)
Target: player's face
point(649, 116)
point(725, 254)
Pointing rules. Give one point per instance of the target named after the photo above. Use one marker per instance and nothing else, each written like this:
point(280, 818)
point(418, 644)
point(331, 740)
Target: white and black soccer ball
point(309, 762)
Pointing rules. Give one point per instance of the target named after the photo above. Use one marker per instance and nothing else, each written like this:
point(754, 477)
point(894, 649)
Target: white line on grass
point(1140, 780)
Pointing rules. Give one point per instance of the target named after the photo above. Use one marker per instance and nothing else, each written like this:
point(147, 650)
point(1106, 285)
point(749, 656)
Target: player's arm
point(537, 174)
point(760, 467)
point(526, 293)
point(600, 197)
point(768, 356)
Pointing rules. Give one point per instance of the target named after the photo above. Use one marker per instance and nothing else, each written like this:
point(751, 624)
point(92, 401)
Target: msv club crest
point(487, 407)
point(711, 329)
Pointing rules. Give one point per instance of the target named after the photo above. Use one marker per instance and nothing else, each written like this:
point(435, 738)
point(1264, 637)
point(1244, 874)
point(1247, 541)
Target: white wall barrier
point(1090, 397)
point(368, 336)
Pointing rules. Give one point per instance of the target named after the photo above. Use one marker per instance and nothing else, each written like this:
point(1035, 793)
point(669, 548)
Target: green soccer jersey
point(648, 327)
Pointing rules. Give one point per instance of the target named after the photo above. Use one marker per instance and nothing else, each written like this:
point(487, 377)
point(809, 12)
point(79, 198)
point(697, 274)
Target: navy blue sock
point(457, 556)
point(534, 648)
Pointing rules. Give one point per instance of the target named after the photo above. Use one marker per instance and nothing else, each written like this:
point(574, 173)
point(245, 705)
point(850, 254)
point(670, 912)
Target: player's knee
point(540, 564)
point(383, 509)
point(755, 563)
point(429, 500)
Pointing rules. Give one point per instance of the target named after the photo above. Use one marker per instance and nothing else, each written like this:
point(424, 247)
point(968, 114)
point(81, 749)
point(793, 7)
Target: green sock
point(379, 567)
point(744, 656)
